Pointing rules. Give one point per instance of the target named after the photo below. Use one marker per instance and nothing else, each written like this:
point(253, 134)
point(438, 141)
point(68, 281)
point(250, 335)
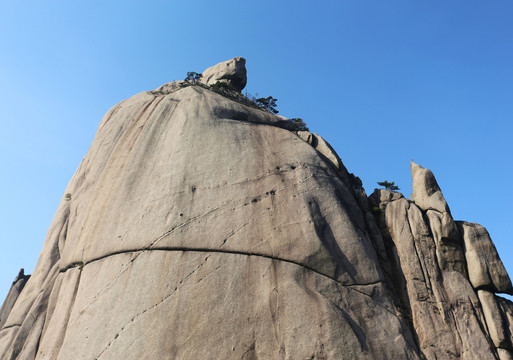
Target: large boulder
point(231, 72)
point(496, 321)
point(485, 268)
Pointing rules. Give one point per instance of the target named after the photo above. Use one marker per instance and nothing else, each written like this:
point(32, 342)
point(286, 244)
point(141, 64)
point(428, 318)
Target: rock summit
point(200, 228)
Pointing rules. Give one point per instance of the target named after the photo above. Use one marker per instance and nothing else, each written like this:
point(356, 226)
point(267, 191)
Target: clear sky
point(382, 81)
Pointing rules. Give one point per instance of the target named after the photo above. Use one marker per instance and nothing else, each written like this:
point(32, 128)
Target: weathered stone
point(506, 308)
point(426, 192)
point(505, 354)
point(449, 246)
point(252, 304)
point(231, 72)
point(419, 298)
point(464, 307)
point(199, 229)
point(167, 88)
point(15, 290)
point(485, 267)
point(494, 320)
point(383, 197)
point(442, 302)
point(323, 147)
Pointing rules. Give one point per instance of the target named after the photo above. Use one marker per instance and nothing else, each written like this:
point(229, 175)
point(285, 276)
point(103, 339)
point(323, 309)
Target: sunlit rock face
point(199, 228)
point(231, 72)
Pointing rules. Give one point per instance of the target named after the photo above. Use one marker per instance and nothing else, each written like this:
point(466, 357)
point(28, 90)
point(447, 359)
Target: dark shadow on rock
point(341, 264)
point(357, 330)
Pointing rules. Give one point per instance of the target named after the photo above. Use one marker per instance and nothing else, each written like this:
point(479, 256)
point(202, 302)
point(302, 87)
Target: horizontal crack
point(233, 252)
point(367, 284)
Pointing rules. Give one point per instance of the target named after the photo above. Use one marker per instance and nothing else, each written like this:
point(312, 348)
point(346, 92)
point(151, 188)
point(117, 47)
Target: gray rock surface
point(426, 192)
point(17, 286)
point(438, 274)
point(494, 320)
point(198, 228)
point(232, 72)
point(193, 212)
point(487, 270)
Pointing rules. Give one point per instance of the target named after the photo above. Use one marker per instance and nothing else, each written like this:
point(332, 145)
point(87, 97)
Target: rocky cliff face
point(199, 228)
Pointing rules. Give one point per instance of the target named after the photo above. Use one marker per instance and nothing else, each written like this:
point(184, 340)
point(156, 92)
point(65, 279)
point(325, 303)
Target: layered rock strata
point(199, 228)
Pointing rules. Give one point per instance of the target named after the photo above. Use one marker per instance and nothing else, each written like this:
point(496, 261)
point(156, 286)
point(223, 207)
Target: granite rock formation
point(231, 72)
point(200, 228)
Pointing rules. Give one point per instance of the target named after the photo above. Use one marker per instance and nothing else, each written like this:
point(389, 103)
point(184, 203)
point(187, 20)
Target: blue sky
point(382, 81)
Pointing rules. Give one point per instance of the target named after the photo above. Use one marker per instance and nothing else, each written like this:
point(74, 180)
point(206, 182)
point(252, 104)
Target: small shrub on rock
point(220, 87)
point(191, 79)
point(268, 103)
point(388, 185)
point(297, 124)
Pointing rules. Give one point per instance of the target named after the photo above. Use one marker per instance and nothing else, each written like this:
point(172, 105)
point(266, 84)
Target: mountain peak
point(198, 227)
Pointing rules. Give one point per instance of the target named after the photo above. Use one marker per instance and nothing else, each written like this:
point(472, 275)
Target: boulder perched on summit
point(232, 72)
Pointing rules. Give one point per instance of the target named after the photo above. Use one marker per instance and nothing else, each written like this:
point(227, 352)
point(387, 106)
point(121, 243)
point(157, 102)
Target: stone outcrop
point(487, 271)
point(231, 72)
point(426, 192)
point(441, 267)
point(199, 228)
point(17, 286)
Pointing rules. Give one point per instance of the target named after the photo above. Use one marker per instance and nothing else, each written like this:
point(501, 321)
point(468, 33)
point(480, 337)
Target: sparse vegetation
point(376, 210)
point(191, 79)
point(220, 87)
point(268, 103)
point(250, 96)
point(297, 124)
point(193, 76)
point(67, 197)
point(263, 103)
point(388, 185)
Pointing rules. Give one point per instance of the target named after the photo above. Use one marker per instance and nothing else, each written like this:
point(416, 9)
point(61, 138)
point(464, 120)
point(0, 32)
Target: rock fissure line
point(9, 326)
point(247, 121)
point(140, 251)
point(410, 323)
point(232, 252)
point(194, 218)
point(150, 308)
point(68, 315)
point(482, 324)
